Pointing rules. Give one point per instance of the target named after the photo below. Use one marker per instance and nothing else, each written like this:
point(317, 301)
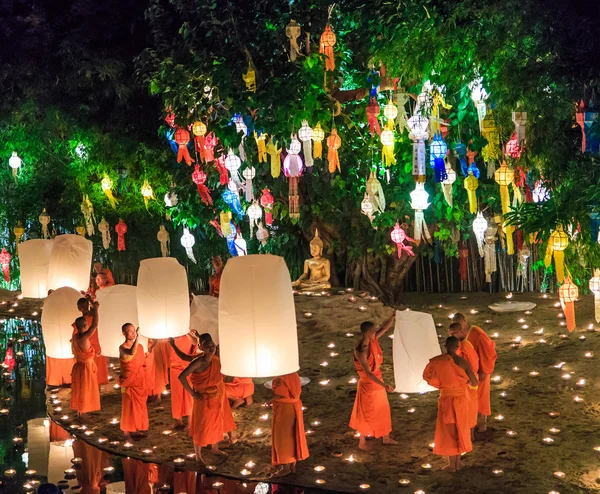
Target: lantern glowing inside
point(257, 318)
point(118, 306)
point(60, 312)
point(418, 126)
point(14, 161)
point(254, 211)
point(419, 198)
point(232, 162)
point(390, 111)
point(70, 262)
point(387, 137)
point(162, 298)
point(204, 315)
point(295, 145)
point(34, 259)
point(305, 133)
point(568, 293)
point(199, 128)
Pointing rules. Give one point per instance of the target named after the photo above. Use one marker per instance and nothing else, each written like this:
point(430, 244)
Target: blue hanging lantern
point(461, 153)
point(437, 153)
point(231, 240)
point(170, 135)
point(233, 201)
point(594, 226)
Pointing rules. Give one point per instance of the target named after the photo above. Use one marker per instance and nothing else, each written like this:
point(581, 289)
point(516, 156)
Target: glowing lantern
point(171, 198)
point(326, 47)
point(373, 110)
point(104, 228)
point(479, 95)
point(87, 209)
point(44, 220)
point(513, 149)
point(225, 222)
point(241, 246)
point(182, 138)
point(165, 241)
point(34, 259)
point(233, 164)
point(292, 167)
point(162, 298)
point(387, 152)
point(438, 150)
point(240, 127)
point(317, 137)
point(292, 31)
point(204, 315)
point(199, 130)
point(334, 142)
point(5, 258)
point(504, 176)
point(147, 193)
point(250, 78)
point(254, 213)
point(471, 184)
point(595, 289)
point(261, 145)
point(170, 118)
point(59, 313)
point(375, 192)
point(540, 193)
point(479, 227)
point(210, 142)
point(305, 134)
point(587, 116)
point(447, 184)
point(366, 207)
point(249, 173)
point(398, 236)
point(15, 164)
point(390, 111)
point(419, 201)
point(257, 319)
point(568, 293)
point(19, 231)
point(222, 169)
point(519, 118)
point(121, 229)
point(106, 185)
point(418, 133)
point(231, 198)
point(557, 243)
point(274, 153)
point(199, 178)
point(267, 201)
point(187, 242)
point(70, 262)
point(117, 306)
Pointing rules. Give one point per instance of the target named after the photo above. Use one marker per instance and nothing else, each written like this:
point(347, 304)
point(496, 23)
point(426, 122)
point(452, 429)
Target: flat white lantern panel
point(118, 305)
point(162, 298)
point(58, 315)
point(257, 319)
point(70, 262)
point(204, 315)
point(415, 342)
point(34, 259)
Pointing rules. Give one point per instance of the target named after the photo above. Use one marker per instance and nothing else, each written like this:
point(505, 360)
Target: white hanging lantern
point(479, 226)
point(257, 318)
point(171, 198)
point(447, 184)
point(15, 163)
point(58, 315)
point(419, 201)
point(419, 132)
point(305, 134)
point(254, 212)
point(241, 246)
point(249, 173)
point(187, 242)
point(540, 193)
point(240, 126)
point(262, 234)
point(294, 145)
point(479, 95)
point(162, 298)
point(233, 164)
point(34, 259)
point(118, 306)
point(70, 262)
point(595, 289)
point(366, 207)
point(519, 118)
point(390, 111)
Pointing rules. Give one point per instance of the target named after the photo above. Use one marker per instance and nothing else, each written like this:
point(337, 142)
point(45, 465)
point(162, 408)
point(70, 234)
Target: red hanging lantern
point(398, 236)
point(199, 178)
point(267, 201)
point(199, 130)
point(182, 138)
point(121, 229)
point(512, 147)
point(327, 42)
point(170, 118)
point(5, 258)
point(373, 110)
point(222, 169)
point(210, 142)
point(463, 267)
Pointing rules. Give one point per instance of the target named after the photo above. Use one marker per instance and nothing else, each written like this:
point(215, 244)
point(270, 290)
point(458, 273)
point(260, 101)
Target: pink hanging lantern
point(121, 229)
point(512, 147)
point(199, 178)
point(5, 258)
point(267, 201)
point(398, 236)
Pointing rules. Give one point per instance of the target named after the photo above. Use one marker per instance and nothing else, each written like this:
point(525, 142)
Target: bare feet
point(216, 451)
point(249, 401)
point(362, 444)
point(231, 438)
point(283, 471)
point(482, 428)
point(237, 403)
point(389, 440)
point(177, 425)
point(128, 437)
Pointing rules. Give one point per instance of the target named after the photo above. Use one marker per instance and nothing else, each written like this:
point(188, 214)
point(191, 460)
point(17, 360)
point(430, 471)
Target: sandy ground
point(527, 463)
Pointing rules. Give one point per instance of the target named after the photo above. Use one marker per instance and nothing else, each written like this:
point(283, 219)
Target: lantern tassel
point(510, 245)
point(559, 262)
point(318, 150)
point(420, 228)
point(504, 199)
point(569, 311)
point(387, 156)
point(329, 60)
point(199, 143)
point(333, 159)
point(439, 169)
point(111, 198)
point(418, 161)
point(447, 190)
point(222, 169)
point(205, 194)
point(248, 190)
point(184, 154)
point(294, 199)
point(307, 150)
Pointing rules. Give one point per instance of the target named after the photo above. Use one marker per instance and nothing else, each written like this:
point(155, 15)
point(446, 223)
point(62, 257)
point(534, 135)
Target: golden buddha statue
point(317, 269)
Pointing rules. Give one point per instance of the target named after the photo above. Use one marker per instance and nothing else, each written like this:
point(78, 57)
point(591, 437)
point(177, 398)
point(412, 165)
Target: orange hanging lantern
point(568, 293)
point(182, 138)
point(334, 142)
point(557, 243)
point(199, 129)
point(326, 47)
point(121, 229)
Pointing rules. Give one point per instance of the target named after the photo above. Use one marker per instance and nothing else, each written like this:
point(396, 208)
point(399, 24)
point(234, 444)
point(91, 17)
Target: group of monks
point(462, 375)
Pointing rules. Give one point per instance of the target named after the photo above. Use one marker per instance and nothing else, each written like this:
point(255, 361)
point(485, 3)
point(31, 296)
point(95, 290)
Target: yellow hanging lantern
point(334, 142)
point(557, 243)
point(274, 153)
point(107, 189)
point(387, 141)
point(470, 184)
point(504, 176)
point(317, 137)
point(80, 230)
point(508, 232)
point(147, 192)
point(262, 147)
point(19, 231)
point(225, 219)
point(250, 79)
point(568, 293)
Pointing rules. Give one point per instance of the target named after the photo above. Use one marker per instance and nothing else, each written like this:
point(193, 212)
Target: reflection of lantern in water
point(568, 293)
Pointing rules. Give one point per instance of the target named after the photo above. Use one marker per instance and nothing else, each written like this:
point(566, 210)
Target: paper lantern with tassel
point(262, 234)
point(210, 142)
point(257, 318)
point(292, 167)
point(398, 236)
point(513, 149)
point(326, 47)
point(106, 185)
point(519, 118)
point(447, 184)
point(199, 130)
point(375, 191)
point(418, 133)
point(58, 314)
point(5, 258)
point(373, 110)
point(121, 229)
point(222, 169)
point(390, 111)
point(508, 231)
point(19, 231)
point(267, 201)
point(254, 213)
point(162, 298)
point(419, 201)
point(479, 95)
point(104, 229)
point(479, 227)
point(504, 176)
point(182, 138)
point(164, 239)
point(366, 207)
point(70, 262)
point(117, 306)
point(568, 293)
point(438, 150)
point(334, 142)
point(122, 183)
point(199, 178)
point(187, 242)
point(557, 243)
point(274, 153)
point(87, 209)
point(489, 252)
point(292, 31)
point(233, 164)
point(44, 220)
point(34, 259)
point(232, 199)
point(317, 137)
point(305, 134)
point(387, 152)
point(147, 193)
point(595, 289)
point(249, 173)
point(540, 193)
point(15, 164)
point(471, 184)
point(261, 146)
point(225, 222)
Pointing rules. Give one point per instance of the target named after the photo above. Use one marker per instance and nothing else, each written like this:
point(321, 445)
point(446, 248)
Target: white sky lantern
point(162, 298)
point(595, 289)
point(70, 262)
point(305, 134)
point(257, 318)
point(249, 173)
point(59, 313)
point(34, 258)
point(118, 306)
point(187, 242)
point(479, 227)
point(419, 201)
point(204, 315)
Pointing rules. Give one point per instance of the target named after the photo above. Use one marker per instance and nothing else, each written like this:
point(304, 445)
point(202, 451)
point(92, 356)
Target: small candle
point(309, 432)
point(109, 469)
point(352, 381)
point(258, 432)
point(565, 377)
point(76, 460)
point(324, 364)
point(509, 295)
point(10, 473)
point(102, 440)
point(264, 417)
point(319, 481)
point(349, 335)
point(403, 396)
point(511, 433)
point(497, 472)
point(426, 466)
point(548, 440)
point(89, 433)
point(218, 485)
point(582, 338)
point(316, 423)
point(319, 468)
point(473, 311)
point(324, 382)
point(352, 299)
point(147, 451)
point(70, 471)
point(4, 411)
point(404, 482)
point(516, 369)
point(588, 355)
point(560, 475)
point(503, 394)
point(364, 487)
point(128, 445)
point(553, 414)
point(521, 320)
point(179, 461)
point(534, 373)
point(30, 473)
point(308, 315)
point(64, 417)
point(431, 446)
point(554, 430)
point(496, 379)
point(351, 459)
point(495, 336)
point(211, 467)
point(362, 308)
point(539, 331)
point(410, 410)
point(577, 399)
point(525, 326)
point(499, 417)
point(167, 432)
point(17, 440)
point(331, 345)
point(114, 421)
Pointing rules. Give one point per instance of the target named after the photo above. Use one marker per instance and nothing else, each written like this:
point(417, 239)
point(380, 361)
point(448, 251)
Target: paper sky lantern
point(418, 133)
point(187, 242)
point(595, 289)
point(162, 298)
point(305, 134)
point(326, 47)
point(70, 262)
point(267, 201)
point(419, 201)
point(398, 236)
point(274, 153)
point(249, 173)
point(568, 293)
point(44, 220)
point(34, 259)
point(438, 150)
point(504, 176)
point(118, 306)
point(387, 152)
point(15, 164)
point(257, 318)
point(557, 243)
point(318, 136)
point(204, 315)
point(479, 227)
point(59, 313)
point(121, 229)
point(199, 178)
point(292, 31)
point(334, 142)
point(5, 258)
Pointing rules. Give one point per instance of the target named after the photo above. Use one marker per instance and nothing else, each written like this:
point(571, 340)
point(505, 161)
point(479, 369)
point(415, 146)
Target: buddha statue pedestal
point(317, 270)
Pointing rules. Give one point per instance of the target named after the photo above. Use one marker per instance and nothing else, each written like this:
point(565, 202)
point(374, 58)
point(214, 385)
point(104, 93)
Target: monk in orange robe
point(58, 371)
point(486, 351)
point(214, 281)
point(371, 414)
point(85, 392)
point(211, 417)
point(467, 351)
point(83, 305)
point(158, 363)
point(451, 374)
point(89, 476)
point(181, 402)
point(240, 391)
point(288, 441)
point(99, 269)
point(134, 412)
point(136, 475)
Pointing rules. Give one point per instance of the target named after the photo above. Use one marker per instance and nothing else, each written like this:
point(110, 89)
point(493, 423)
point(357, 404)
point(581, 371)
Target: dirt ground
point(528, 464)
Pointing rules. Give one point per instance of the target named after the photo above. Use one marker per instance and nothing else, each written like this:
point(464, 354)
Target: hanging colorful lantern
point(104, 229)
point(387, 152)
point(249, 173)
point(171, 198)
point(233, 164)
point(210, 142)
point(479, 227)
point(398, 236)
point(491, 151)
point(438, 150)
point(390, 112)
point(122, 184)
point(262, 234)
point(15, 164)
point(80, 230)
point(292, 31)
point(199, 130)
point(199, 178)
point(366, 207)
point(595, 289)
point(88, 214)
point(447, 184)
point(5, 258)
point(170, 118)
point(187, 242)
point(375, 191)
point(267, 201)
point(540, 193)
point(326, 47)
point(557, 243)
point(106, 184)
point(489, 252)
point(504, 176)
point(419, 201)
point(519, 118)
point(373, 110)
point(121, 229)
point(568, 293)
point(231, 240)
point(587, 116)
point(225, 222)
point(305, 134)
point(594, 226)
point(44, 219)
point(400, 99)
point(274, 153)
point(241, 246)
point(19, 231)
point(471, 184)
point(232, 199)
point(261, 145)
point(250, 78)
point(460, 151)
point(512, 147)
point(418, 126)
point(164, 239)
point(334, 142)
point(147, 192)
point(222, 169)
point(292, 167)
point(479, 95)
point(254, 213)
point(463, 263)
point(317, 137)
point(182, 138)
point(241, 128)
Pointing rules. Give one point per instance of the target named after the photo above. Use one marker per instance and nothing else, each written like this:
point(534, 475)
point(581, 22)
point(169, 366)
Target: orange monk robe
point(134, 412)
point(371, 414)
point(136, 474)
point(58, 371)
point(57, 433)
point(150, 373)
point(110, 279)
point(89, 476)
point(160, 363)
point(181, 400)
point(240, 388)
point(211, 417)
point(467, 351)
point(452, 430)
point(85, 393)
point(101, 360)
point(184, 482)
point(288, 441)
point(486, 350)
